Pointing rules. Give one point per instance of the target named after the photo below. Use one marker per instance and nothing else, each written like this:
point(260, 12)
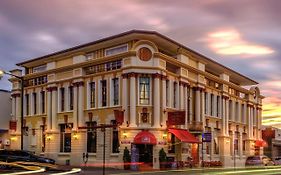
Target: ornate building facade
point(166, 94)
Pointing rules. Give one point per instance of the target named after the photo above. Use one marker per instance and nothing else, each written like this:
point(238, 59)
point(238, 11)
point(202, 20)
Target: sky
point(242, 35)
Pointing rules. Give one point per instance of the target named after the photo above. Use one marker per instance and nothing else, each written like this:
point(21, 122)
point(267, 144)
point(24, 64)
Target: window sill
point(92, 154)
point(114, 154)
point(64, 154)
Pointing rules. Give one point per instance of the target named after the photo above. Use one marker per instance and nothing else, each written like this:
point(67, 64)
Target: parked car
point(258, 161)
point(277, 160)
point(26, 156)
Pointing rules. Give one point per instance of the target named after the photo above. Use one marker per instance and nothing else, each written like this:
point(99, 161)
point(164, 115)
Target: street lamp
point(21, 80)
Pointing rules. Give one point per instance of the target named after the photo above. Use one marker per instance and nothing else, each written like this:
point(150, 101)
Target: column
point(81, 104)
point(18, 112)
point(156, 101)
point(203, 108)
point(125, 95)
point(66, 97)
point(181, 95)
point(223, 116)
point(54, 109)
point(250, 133)
point(212, 143)
point(75, 107)
point(49, 109)
point(239, 112)
point(227, 117)
point(164, 100)
point(197, 105)
point(133, 114)
point(185, 99)
point(209, 104)
point(88, 95)
point(190, 105)
point(13, 106)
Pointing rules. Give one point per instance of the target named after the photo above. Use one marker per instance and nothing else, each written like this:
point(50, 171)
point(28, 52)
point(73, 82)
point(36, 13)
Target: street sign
point(207, 137)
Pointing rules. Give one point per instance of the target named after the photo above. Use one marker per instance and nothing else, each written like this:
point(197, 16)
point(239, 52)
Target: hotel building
point(166, 94)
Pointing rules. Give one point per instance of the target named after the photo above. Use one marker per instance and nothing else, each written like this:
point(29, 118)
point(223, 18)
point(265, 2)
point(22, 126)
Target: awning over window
point(184, 135)
point(145, 137)
point(261, 143)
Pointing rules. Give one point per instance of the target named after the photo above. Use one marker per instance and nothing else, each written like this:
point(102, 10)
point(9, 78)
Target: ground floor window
point(115, 138)
point(65, 137)
point(91, 137)
point(172, 143)
point(43, 139)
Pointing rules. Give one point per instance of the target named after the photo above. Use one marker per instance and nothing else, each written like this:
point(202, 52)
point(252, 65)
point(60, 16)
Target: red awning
point(145, 137)
point(261, 143)
point(184, 135)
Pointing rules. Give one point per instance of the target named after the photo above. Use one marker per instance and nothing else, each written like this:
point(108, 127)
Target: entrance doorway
point(145, 154)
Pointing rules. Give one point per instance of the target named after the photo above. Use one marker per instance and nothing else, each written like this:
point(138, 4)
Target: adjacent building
point(5, 117)
point(165, 94)
point(272, 138)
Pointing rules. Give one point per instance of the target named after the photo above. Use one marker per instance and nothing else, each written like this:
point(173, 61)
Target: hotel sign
point(176, 118)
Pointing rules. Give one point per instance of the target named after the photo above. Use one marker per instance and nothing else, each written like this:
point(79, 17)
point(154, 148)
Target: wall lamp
point(75, 135)
point(125, 134)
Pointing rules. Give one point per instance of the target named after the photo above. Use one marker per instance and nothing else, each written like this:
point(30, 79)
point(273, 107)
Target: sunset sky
point(241, 34)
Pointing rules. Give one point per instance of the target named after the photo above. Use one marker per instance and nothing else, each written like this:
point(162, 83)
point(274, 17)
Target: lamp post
point(22, 82)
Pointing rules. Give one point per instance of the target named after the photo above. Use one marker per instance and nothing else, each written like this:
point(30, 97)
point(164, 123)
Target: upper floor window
point(34, 102)
point(62, 96)
point(115, 82)
point(39, 68)
point(144, 86)
point(71, 97)
point(218, 106)
point(103, 93)
point(113, 65)
point(206, 102)
point(167, 92)
point(116, 50)
point(212, 105)
point(27, 104)
point(92, 94)
point(42, 101)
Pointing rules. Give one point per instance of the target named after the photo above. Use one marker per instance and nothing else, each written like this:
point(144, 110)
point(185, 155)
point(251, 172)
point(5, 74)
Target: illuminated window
point(144, 86)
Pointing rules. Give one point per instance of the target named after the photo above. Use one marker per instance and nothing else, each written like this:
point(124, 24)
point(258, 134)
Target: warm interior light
point(75, 136)
point(125, 134)
point(49, 137)
point(13, 138)
point(164, 135)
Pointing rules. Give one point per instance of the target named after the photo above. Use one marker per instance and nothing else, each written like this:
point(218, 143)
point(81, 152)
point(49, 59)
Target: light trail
point(74, 170)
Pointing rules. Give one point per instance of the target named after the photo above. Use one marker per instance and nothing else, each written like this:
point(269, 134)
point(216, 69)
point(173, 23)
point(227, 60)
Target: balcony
point(196, 126)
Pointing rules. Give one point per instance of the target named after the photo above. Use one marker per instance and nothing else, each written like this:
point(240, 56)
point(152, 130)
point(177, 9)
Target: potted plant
point(126, 159)
point(162, 159)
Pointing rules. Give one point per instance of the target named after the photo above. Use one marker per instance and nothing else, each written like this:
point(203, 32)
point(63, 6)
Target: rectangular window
point(103, 92)
point(243, 113)
point(91, 137)
point(175, 94)
point(27, 104)
point(167, 92)
point(218, 106)
point(62, 95)
point(230, 110)
point(43, 102)
point(144, 86)
point(43, 139)
point(212, 104)
point(172, 143)
point(71, 97)
point(206, 102)
point(115, 137)
point(40, 68)
point(92, 94)
point(115, 82)
point(65, 137)
point(216, 146)
point(116, 50)
point(34, 102)
point(237, 111)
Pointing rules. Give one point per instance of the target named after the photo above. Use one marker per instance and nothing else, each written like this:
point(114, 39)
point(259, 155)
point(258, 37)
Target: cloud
point(230, 42)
